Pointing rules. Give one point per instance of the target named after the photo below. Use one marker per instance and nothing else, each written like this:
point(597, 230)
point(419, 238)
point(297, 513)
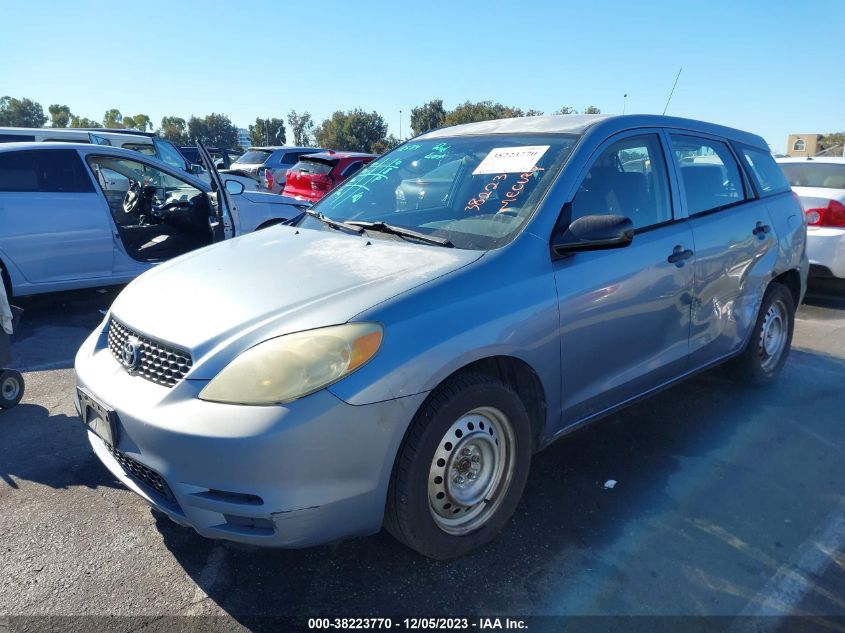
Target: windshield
point(475, 191)
point(825, 175)
point(253, 157)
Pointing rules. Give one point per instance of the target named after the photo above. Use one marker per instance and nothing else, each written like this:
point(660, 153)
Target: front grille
point(144, 475)
point(158, 362)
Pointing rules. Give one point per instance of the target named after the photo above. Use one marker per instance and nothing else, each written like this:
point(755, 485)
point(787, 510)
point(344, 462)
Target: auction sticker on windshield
point(511, 160)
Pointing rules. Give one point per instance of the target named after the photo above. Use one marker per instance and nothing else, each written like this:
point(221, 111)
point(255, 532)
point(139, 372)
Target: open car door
point(220, 222)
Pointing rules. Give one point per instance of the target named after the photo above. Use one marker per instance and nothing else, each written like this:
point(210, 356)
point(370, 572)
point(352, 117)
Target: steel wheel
point(773, 335)
point(10, 388)
point(471, 470)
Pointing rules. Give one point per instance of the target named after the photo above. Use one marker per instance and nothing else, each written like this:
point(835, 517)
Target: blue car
point(378, 363)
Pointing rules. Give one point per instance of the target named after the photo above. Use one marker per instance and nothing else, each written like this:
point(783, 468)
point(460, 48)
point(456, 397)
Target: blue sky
point(767, 66)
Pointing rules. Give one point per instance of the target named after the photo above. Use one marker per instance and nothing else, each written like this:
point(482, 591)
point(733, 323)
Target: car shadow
point(566, 513)
point(826, 292)
point(47, 449)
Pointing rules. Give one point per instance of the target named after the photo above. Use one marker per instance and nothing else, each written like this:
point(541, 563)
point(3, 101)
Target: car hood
point(271, 198)
point(237, 293)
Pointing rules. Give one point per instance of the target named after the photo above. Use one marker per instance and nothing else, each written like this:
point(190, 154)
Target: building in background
point(803, 144)
point(243, 138)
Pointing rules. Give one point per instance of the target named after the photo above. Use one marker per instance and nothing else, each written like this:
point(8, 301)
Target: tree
point(21, 112)
point(175, 130)
point(267, 132)
point(300, 126)
point(81, 121)
point(113, 118)
point(354, 130)
point(380, 147)
point(428, 116)
point(566, 110)
point(592, 110)
point(216, 130)
point(139, 122)
point(471, 112)
point(830, 141)
point(60, 115)
point(534, 113)
point(128, 122)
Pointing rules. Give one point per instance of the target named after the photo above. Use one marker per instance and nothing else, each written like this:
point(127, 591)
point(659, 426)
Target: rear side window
point(629, 178)
point(709, 173)
point(767, 175)
point(51, 171)
point(352, 168)
point(254, 157)
point(291, 157)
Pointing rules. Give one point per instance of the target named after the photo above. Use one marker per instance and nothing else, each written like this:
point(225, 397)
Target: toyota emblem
point(130, 354)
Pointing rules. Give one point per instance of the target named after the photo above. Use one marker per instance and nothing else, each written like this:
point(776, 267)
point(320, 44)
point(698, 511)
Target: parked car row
point(395, 355)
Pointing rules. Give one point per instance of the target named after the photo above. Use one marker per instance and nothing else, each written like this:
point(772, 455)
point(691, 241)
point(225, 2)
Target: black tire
point(11, 388)
point(410, 515)
point(755, 365)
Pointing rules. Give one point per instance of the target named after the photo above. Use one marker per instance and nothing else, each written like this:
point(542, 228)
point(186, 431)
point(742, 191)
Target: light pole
point(624, 102)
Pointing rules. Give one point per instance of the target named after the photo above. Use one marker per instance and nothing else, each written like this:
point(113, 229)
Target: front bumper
point(826, 247)
point(285, 476)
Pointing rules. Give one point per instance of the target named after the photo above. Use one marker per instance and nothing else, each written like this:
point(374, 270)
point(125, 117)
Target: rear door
point(735, 245)
point(55, 223)
point(625, 313)
point(221, 223)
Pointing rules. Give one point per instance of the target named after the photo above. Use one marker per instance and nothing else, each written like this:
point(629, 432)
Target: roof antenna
point(673, 89)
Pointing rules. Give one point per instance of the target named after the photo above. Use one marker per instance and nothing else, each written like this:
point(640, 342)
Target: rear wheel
point(768, 348)
point(11, 388)
point(462, 468)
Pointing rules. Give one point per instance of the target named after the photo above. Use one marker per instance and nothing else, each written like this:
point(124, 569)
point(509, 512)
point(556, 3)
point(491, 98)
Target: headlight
point(295, 365)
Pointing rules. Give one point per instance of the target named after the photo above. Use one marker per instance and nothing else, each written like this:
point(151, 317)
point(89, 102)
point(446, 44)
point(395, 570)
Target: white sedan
point(82, 215)
point(820, 185)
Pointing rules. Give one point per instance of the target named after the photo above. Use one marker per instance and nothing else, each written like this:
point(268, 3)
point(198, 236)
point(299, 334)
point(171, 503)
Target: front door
point(625, 313)
point(55, 224)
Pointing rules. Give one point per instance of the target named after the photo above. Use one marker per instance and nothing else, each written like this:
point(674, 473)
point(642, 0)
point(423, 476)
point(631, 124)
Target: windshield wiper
point(392, 229)
point(337, 224)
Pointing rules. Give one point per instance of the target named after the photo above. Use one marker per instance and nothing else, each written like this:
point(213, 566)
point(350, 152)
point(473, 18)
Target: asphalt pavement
point(729, 500)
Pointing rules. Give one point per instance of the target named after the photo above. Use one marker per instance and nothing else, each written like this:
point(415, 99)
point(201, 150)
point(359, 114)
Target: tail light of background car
point(268, 178)
point(831, 215)
point(321, 182)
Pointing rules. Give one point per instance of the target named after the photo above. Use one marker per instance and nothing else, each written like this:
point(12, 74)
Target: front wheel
point(767, 350)
point(462, 468)
point(11, 388)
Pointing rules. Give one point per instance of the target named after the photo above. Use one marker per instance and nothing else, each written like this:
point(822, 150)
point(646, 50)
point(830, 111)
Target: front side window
point(767, 175)
point(628, 178)
point(709, 173)
point(492, 185)
point(49, 171)
point(115, 175)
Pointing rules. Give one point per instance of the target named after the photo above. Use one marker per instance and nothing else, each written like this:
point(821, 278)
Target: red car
point(317, 174)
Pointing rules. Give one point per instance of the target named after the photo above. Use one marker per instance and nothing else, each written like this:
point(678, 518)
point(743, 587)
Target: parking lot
point(729, 500)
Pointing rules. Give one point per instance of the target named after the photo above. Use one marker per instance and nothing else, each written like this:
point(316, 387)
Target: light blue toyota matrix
point(396, 354)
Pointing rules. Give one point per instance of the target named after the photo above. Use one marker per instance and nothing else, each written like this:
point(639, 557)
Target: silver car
point(83, 215)
point(370, 365)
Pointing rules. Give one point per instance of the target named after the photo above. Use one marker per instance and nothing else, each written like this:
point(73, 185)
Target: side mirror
point(233, 187)
point(196, 169)
point(594, 233)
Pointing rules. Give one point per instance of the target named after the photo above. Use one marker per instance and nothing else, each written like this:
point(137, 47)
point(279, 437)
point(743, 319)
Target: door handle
point(679, 256)
point(761, 230)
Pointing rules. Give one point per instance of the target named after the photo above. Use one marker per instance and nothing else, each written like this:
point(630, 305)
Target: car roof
point(582, 123)
point(838, 160)
point(92, 148)
point(284, 148)
point(339, 155)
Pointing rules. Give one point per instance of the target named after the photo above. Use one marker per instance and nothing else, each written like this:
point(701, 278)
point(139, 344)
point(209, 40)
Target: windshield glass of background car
point(810, 174)
point(476, 191)
point(253, 157)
